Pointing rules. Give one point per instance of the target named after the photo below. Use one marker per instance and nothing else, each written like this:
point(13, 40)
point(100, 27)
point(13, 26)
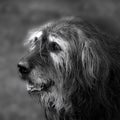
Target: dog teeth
point(29, 87)
point(38, 87)
point(32, 88)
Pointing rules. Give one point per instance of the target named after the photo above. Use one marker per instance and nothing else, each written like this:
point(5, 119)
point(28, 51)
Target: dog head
point(65, 63)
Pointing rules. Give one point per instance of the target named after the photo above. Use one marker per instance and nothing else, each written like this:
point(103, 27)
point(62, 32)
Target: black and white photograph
point(59, 59)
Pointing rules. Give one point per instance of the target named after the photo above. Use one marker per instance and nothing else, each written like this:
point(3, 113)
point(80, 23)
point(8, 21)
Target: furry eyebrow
point(32, 38)
point(62, 43)
point(36, 34)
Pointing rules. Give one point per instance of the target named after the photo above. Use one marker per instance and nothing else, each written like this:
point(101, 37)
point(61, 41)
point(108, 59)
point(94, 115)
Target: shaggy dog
point(74, 70)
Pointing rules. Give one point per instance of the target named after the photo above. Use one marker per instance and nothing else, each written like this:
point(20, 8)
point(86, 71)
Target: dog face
point(65, 58)
point(46, 66)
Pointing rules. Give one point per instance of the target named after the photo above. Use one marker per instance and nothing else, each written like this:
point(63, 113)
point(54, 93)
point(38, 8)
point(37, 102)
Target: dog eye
point(54, 47)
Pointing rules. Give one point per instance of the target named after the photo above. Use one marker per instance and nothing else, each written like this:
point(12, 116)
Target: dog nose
point(23, 67)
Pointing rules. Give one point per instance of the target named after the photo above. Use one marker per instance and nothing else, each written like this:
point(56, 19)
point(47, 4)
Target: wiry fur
point(85, 73)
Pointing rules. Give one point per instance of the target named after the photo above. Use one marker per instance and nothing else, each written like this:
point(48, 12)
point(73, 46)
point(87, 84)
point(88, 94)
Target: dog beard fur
point(84, 70)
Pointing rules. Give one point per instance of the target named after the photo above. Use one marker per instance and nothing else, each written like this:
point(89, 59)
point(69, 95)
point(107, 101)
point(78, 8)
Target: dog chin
point(40, 88)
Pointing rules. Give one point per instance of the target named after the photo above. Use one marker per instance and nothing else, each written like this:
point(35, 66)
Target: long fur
point(86, 73)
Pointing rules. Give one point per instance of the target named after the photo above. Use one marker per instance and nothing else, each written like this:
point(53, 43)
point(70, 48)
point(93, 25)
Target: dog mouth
point(39, 87)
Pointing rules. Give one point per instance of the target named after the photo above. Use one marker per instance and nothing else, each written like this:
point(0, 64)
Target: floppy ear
point(94, 62)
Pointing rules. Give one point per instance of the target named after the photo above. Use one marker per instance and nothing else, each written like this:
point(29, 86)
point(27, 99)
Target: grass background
point(16, 17)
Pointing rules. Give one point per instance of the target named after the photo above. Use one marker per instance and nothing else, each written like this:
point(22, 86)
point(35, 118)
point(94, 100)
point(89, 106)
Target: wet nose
point(24, 67)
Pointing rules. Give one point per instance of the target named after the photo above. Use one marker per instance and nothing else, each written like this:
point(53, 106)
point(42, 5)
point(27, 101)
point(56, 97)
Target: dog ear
point(94, 62)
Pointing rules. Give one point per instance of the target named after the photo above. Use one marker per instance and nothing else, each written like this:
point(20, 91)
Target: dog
point(73, 68)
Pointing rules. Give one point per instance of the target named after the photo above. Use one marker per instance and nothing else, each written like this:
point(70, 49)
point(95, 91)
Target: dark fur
point(88, 87)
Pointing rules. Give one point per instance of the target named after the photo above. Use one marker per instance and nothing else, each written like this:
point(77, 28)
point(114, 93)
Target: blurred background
point(16, 17)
